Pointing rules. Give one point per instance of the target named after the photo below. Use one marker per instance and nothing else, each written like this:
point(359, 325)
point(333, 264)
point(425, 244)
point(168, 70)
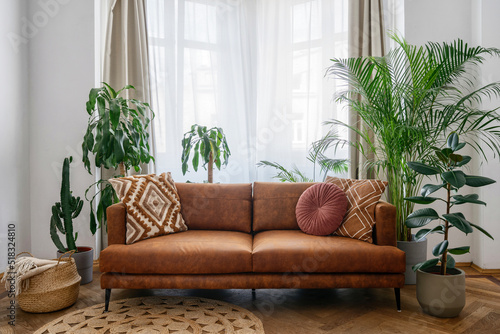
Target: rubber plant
point(208, 144)
point(405, 101)
point(64, 212)
point(447, 166)
point(117, 136)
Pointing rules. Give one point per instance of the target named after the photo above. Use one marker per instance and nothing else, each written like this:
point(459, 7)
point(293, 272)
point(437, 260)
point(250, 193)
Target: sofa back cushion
point(225, 207)
point(274, 205)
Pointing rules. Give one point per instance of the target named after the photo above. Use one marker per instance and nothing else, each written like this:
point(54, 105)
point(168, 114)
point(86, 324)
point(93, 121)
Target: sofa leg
point(106, 301)
point(397, 292)
point(253, 294)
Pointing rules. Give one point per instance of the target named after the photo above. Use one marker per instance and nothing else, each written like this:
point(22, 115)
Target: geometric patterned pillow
point(362, 196)
point(152, 203)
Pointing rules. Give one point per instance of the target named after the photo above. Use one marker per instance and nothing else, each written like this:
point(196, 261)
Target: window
point(253, 67)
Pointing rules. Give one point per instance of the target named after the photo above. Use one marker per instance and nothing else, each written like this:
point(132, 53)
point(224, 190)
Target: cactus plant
point(64, 212)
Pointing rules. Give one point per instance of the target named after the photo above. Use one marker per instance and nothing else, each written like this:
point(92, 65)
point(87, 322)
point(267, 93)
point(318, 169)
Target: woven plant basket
point(53, 289)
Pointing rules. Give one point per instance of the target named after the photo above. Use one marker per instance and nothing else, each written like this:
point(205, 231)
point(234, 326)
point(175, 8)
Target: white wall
point(476, 22)
point(14, 129)
point(61, 67)
point(487, 26)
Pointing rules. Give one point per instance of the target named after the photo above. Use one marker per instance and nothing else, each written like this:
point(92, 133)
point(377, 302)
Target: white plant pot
point(441, 295)
point(84, 260)
point(416, 252)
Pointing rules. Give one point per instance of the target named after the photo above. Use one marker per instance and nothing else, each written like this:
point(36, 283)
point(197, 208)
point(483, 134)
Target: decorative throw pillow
point(362, 196)
point(321, 209)
point(153, 205)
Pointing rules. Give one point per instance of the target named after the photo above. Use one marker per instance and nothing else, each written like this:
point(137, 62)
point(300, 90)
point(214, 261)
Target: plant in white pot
point(63, 213)
point(441, 286)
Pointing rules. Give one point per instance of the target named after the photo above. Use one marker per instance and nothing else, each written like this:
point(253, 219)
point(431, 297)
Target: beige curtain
point(125, 59)
point(366, 38)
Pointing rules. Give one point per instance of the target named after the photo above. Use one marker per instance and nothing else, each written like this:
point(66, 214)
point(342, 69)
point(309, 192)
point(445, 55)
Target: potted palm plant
point(441, 288)
point(209, 144)
point(117, 135)
point(63, 213)
point(405, 101)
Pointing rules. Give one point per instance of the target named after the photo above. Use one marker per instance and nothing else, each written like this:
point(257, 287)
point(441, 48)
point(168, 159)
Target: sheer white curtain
point(253, 67)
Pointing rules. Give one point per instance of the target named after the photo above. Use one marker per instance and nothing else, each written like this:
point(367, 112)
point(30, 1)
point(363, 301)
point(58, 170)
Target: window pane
point(200, 22)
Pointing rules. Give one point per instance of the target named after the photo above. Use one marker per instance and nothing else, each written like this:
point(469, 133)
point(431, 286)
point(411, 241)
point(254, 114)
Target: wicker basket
point(53, 289)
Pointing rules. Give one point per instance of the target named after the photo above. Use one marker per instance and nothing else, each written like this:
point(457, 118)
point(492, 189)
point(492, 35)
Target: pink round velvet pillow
point(321, 209)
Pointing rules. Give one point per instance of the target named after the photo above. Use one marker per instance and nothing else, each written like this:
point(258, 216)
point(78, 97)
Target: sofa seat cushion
point(282, 251)
point(190, 252)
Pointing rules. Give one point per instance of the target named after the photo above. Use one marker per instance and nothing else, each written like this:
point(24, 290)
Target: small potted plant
point(209, 144)
point(63, 213)
point(441, 286)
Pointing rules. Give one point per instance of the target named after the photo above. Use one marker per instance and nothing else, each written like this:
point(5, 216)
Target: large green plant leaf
point(421, 217)
point(482, 230)
point(426, 264)
point(422, 199)
point(424, 169)
point(450, 262)
point(440, 248)
point(431, 188)
point(459, 250)
point(472, 198)
point(478, 181)
point(456, 178)
point(423, 232)
point(452, 141)
point(458, 220)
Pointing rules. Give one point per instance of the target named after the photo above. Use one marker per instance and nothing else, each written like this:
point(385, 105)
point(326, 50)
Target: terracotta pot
point(441, 295)
point(84, 260)
point(416, 252)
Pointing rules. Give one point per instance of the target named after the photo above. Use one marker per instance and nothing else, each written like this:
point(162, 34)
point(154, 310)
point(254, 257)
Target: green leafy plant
point(209, 144)
point(317, 157)
point(447, 165)
point(117, 136)
point(64, 212)
point(406, 101)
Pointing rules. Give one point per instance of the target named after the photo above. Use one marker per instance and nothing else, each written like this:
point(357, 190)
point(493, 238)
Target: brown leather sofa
point(240, 240)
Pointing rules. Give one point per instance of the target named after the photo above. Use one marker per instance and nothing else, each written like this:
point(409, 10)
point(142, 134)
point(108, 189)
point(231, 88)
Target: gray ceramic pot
point(441, 296)
point(84, 260)
point(416, 252)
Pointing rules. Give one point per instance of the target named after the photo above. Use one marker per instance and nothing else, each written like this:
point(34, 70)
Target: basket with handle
point(52, 290)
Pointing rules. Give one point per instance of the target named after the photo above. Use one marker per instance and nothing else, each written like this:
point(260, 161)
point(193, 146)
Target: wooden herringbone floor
point(316, 311)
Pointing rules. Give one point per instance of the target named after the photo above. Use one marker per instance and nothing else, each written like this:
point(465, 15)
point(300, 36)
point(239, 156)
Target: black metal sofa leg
point(106, 301)
point(397, 292)
point(253, 294)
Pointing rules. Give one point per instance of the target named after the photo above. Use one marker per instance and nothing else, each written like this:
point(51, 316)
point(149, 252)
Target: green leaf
point(92, 98)
point(440, 248)
point(441, 156)
point(478, 181)
point(446, 151)
point(452, 141)
point(459, 250)
point(472, 198)
point(421, 199)
point(431, 188)
point(119, 151)
point(93, 225)
point(426, 264)
point(111, 91)
point(482, 231)
point(458, 220)
point(421, 217)
point(196, 158)
point(423, 168)
point(456, 158)
point(459, 146)
point(450, 262)
point(465, 160)
point(422, 233)
point(114, 113)
point(455, 177)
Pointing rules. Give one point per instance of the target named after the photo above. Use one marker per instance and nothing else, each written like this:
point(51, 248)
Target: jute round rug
point(180, 315)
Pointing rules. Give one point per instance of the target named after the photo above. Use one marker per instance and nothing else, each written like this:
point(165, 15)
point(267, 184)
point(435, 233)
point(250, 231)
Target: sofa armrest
point(116, 215)
point(385, 224)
